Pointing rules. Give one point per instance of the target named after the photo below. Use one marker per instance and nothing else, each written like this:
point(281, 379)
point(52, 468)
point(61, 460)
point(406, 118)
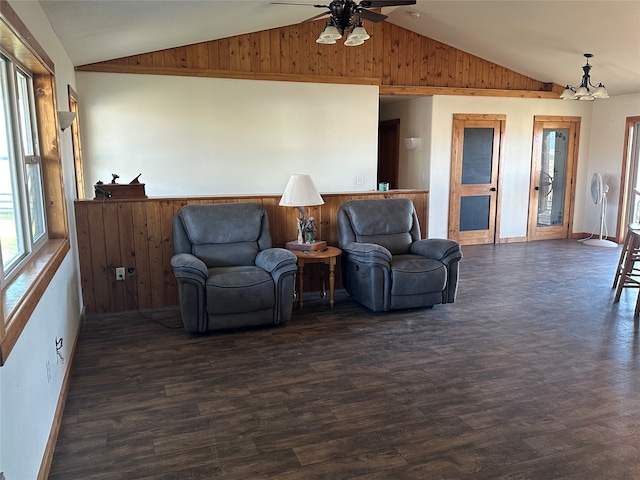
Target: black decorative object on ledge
point(133, 189)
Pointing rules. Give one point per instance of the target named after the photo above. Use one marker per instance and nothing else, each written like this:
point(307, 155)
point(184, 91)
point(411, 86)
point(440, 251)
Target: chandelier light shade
point(586, 90)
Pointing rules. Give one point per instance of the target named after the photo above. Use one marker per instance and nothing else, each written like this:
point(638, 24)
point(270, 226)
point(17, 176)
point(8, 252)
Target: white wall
point(415, 121)
point(606, 150)
point(28, 396)
point(204, 136)
point(437, 127)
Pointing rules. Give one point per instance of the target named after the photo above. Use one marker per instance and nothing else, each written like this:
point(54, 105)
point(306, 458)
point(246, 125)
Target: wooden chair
point(628, 271)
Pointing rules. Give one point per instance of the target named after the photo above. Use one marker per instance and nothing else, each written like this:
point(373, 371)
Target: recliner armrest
point(187, 265)
point(367, 250)
point(272, 259)
point(441, 249)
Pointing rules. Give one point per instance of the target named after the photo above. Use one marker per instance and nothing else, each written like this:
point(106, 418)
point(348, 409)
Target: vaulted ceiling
point(544, 40)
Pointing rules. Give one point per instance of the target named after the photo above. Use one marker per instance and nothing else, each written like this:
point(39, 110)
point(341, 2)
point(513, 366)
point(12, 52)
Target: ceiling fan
point(347, 15)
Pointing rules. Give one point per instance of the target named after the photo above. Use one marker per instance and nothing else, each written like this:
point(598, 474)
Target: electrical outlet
point(131, 272)
point(120, 273)
point(359, 179)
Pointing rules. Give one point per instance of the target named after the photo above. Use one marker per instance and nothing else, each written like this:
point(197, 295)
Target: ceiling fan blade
point(386, 3)
point(300, 4)
point(315, 17)
point(371, 16)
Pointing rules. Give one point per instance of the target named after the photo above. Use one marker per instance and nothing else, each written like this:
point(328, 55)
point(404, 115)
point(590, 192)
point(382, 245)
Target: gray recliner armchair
point(385, 264)
point(228, 275)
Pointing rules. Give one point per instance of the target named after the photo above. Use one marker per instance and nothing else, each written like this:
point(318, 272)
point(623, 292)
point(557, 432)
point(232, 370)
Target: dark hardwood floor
point(533, 373)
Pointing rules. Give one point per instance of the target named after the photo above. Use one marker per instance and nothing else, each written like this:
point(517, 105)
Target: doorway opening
point(389, 152)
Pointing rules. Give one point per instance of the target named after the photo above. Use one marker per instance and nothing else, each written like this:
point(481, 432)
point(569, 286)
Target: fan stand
point(600, 242)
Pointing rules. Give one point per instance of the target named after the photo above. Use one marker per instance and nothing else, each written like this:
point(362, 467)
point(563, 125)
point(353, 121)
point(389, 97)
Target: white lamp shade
point(300, 192)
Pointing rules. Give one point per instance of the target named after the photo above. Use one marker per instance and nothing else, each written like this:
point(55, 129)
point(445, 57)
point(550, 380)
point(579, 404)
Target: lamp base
point(306, 247)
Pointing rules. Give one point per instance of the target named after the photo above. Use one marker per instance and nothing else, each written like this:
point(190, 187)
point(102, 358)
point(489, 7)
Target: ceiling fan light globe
point(325, 41)
point(331, 32)
point(353, 42)
point(359, 33)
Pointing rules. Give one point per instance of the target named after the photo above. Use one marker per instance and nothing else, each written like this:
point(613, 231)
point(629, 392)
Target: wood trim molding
point(210, 73)
point(626, 171)
point(470, 92)
point(16, 38)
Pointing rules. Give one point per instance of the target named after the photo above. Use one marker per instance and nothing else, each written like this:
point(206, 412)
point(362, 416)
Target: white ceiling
point(541, 39)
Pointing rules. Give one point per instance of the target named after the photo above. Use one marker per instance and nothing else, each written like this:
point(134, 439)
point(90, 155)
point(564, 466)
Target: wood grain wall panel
point(97, 239)
point(127, 253)
point(84, 254)
point(154, 244)
point(393, 56)
point(138, 233)
point(141, 253)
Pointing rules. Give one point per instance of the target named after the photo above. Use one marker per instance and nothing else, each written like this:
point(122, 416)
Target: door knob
point(537, 188)
point(493, 189)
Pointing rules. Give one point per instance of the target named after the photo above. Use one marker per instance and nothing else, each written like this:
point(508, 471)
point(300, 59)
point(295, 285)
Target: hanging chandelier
point(586, 90)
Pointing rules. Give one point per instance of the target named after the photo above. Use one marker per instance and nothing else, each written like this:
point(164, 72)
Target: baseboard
point(45, 465)
point(511, 239)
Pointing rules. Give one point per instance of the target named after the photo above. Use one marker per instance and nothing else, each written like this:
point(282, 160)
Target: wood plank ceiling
point(398, 60)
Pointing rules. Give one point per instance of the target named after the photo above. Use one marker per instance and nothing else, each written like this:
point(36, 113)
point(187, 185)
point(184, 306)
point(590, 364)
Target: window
point(34, 231)
point(22, 213)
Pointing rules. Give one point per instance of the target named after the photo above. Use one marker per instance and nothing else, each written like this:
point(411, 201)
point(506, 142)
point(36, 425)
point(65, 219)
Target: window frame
point(23, 152)
point(22, 293)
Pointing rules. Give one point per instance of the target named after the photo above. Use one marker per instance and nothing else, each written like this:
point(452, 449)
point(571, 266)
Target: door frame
point(626, 176)
point(573, 124)
point(460, 122)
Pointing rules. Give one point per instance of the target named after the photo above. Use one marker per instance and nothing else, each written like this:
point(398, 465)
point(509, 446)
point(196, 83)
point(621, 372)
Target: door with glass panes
point(552, 172)
point(475, 164)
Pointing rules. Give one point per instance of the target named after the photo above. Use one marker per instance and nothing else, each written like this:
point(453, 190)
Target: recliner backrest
point(222, 234)
point(390, 222)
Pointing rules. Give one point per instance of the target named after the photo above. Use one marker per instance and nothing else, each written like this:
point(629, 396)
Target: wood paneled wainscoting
point(137, 233)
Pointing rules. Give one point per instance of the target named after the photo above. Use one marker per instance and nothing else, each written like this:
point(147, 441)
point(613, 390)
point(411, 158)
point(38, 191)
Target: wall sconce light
point(411, 143)
point(65, 119)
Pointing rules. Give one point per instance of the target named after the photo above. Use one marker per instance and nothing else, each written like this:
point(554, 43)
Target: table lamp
point(301, 192)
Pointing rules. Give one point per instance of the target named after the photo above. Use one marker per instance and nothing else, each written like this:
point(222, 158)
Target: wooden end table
point(327, 256)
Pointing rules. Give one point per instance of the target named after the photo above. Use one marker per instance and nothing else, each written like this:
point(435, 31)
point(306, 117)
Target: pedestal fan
point(599, 196)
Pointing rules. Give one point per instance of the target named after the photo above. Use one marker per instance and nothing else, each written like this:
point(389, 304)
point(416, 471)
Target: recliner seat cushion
point(239, 289)
point(415, 275)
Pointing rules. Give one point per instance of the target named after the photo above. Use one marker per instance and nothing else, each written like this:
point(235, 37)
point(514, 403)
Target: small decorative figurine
point(310, 230)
